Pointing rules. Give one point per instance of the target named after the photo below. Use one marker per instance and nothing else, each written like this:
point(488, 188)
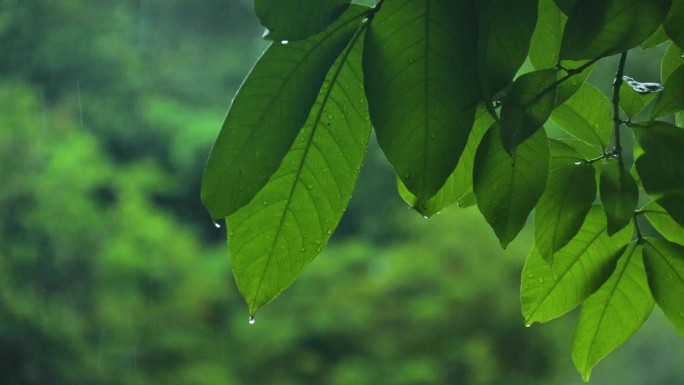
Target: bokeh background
point(111, 272)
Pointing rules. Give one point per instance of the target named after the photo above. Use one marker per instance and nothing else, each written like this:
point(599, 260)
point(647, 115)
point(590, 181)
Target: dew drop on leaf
point(217, 225)
point(284, 41)
point(251, 320)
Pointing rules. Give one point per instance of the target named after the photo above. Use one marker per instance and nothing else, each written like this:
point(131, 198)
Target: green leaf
point(664, 263)
point(546, 39)
point(662, 164)
point(613, 313)
point(422, 97)
point(619, 195)
point(527, 107)
point(297, 19)
point(673, 23)
point(550, 290)
point(459, 185)
point(672, 98)
point(674, 205)
point(275, 236)
point(663, 223)
point(672, 59)
point(635, 95)
point(505, 30)
point(267, 113)
point(599, 28)
point(566, 5)
point(570, 192)
point(659, 37)
point(586, 116)
point(507, 188)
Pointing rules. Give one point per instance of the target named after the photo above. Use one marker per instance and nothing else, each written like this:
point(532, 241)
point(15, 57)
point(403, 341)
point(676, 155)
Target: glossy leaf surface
point(665, 268)
point(267, 113)
point(663, 223)
point(297, 19)
point(613, 313)
point(274, 237)
point(586, 116)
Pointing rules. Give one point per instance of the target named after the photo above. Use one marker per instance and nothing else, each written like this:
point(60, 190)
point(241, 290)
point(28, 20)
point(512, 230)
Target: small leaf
point(586, 116)
point(673, 23)
point(663, 223)
point(613, 313)
point(619, 195)
point(550, 290)
point(422, 97)
point(599, 28)
point(570, 192)
point(527, 107)
point(459, 185)
point(664, 263)
point(672, 59)
point(275, 236)
point(297, 19)
point(635, 96)
point(267, 113)
point(672, 98)
point(507, 188)
point(505, 30)
point(546, 39)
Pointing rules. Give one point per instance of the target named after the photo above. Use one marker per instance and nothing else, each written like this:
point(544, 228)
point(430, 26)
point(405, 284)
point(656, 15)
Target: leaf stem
point(617, 122)
point(640, 238)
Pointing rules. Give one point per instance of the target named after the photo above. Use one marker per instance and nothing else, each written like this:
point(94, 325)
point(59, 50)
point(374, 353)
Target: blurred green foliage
point(112, 273)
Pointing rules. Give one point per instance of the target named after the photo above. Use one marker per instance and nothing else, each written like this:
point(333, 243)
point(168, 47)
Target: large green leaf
point(506, 187)
point(275, 236)
point(421, 82)
point(460, 182)
point(598, 28)
point(672, 59)
point(673, 23)
point(671, 99)
point(665, 268)
point(570, 192)
point(613, 313)
point(674, 204)
point(267, 113)
point(550, 290)
point(619, 195)
point(635, 95)
point(505, 30)
point(527, 107)
point(297, 19)
point(586, 116)
point(663, 223)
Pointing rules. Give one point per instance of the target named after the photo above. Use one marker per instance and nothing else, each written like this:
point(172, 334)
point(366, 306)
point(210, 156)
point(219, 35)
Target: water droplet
point(530, 275)
point(433, 135)
point(284, 42)
point(528, 325)
point(309, 186)
point(251, 320)
point(330, 116)
point(302, 249)
point(217, 225)
point(541, 280)
point(555, 277)
point(578, 163)
point(410, 60)
point(329, 232)
point(264, 202)
point(318, 249)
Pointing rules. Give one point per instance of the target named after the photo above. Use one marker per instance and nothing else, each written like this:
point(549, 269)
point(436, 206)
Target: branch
point(617, 122)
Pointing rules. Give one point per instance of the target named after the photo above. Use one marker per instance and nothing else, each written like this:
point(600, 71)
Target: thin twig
point(617, 122)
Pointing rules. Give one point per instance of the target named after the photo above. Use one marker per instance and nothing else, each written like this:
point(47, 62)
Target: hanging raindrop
point(251, 320)
point(217, 225)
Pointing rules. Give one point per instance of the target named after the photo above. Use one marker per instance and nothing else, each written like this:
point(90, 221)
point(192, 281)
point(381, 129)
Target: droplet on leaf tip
point(251, 320)
point(217, 225)
point(284, 42)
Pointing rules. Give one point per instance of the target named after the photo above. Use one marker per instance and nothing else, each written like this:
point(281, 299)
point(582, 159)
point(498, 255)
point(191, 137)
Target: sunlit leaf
point(665, 268)
point(635, 95)
point(422, 97)
point(619, 195)
point(570, 192)
point(613, 313)
point(297, 19)
point(663, 223)
point(507, 188)
point(586, 116)
point(527, 106)
point(275, 236)
point(671, 99)
point(267, 113)
point(598, 28)
point(459, 185)
point(673, 23)
point(505, 30)
point(550, 290)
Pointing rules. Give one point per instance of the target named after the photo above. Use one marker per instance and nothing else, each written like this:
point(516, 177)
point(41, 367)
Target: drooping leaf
point(570, 192)
point(297, 19)
point(275, 236)
point(586, 116)
point(613, 313)
point(422, 97)
point(506, 187)
point(671, 99)
point(672, 59)
point(664, 263)
point(527, 106)
point(599, 28)
point(550, 290)
point(673, 23)
point(460, 183)
point(267, 113)
point(635, 95)
point(619, 195)
point(505, 30)
point(663, 223)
